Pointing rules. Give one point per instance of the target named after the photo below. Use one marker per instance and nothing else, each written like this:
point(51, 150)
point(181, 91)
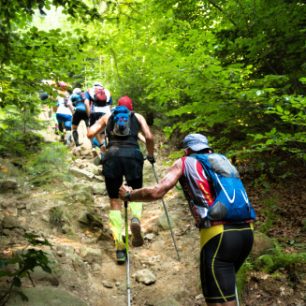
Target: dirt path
point(104, 282)
point(84, 257)
point(177, 283)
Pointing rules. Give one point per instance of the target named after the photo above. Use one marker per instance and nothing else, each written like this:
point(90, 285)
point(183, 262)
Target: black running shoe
point(121, 256)
point(137, 239)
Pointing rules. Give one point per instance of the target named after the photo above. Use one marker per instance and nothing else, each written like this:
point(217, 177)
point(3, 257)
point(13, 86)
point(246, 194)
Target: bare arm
point(156, 192)
point(145, 129)
point(98, 126)
point(70, 105)
point(141, 138)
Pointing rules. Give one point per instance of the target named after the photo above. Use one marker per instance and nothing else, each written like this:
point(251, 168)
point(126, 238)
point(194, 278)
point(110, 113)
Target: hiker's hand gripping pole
point(167, 216)
point(128, 282)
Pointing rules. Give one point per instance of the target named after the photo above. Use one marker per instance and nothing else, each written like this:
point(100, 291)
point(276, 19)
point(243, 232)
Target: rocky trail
point(73, 218)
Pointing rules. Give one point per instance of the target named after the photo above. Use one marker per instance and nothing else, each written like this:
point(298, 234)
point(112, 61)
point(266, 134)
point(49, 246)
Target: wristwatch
point(127, 196)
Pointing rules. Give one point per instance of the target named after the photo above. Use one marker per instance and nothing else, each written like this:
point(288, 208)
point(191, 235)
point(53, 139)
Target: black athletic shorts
point(221, 258)
point(78, 116)
point(95, 117)
point(120, 163)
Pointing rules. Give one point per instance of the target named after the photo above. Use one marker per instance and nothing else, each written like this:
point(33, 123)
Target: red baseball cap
point(126, 101)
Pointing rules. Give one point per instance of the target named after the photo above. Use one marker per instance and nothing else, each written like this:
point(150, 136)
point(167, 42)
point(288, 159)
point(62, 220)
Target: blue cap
point(196, 142)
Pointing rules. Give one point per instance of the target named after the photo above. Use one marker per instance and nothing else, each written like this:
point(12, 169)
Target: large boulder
point(8, 184)
point(47, 296)
point(262, 244)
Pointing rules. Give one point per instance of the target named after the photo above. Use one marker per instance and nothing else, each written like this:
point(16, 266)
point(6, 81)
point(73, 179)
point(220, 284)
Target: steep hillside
point(72, 216)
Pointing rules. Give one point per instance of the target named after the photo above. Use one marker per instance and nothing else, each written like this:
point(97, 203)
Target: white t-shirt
point(61, 106)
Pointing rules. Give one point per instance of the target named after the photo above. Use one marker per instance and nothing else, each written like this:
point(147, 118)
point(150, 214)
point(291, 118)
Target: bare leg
point(116, 223)
point(100, 138)
point(115, 204)
point(75, 135)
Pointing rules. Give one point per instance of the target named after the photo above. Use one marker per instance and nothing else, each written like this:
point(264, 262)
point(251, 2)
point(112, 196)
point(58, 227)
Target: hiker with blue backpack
point(78, 107)
point(221, 210)
point(124, 159)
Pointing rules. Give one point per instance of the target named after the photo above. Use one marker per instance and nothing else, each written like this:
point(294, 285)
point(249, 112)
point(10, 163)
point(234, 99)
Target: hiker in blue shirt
point(78, 107)
point(225, 243)
point(124, 159)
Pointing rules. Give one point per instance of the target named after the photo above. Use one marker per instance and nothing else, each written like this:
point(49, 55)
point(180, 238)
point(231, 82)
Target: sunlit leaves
point(233, 70)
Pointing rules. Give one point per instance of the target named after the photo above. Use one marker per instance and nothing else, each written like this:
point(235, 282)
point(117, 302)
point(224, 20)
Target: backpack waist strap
point(121, 145)
point(230, 222)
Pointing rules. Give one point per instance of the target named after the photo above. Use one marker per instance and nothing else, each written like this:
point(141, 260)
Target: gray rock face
point(47, 296)
point(10, 222)
point(145, 276)
point(262, 244)
point(8, 184)
point(163, 221)
point(81, 173)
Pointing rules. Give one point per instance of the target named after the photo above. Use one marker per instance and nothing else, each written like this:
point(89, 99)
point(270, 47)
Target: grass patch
point(279, 259)
point(50, 165)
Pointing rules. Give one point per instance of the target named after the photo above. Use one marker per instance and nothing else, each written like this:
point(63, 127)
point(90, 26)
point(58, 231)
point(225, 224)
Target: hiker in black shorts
point(123, 158)
point(224, 244)
point(78, 108)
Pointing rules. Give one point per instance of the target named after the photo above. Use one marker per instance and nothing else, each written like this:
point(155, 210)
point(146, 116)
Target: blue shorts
point(64, 120)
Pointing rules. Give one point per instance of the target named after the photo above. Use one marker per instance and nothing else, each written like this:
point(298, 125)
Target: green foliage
point(49, 165)
point(232, 70)
point(242, 275)
point(17, 136)
point(270, 211)
point(279, 259)
point(56, 217)
point(17, 15)
point(289, 134)
point(24, 262)
point(214, 74)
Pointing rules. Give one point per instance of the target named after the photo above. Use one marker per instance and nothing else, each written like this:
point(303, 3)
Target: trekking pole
point(128, 283)
point(167, 216)
point(237, 296)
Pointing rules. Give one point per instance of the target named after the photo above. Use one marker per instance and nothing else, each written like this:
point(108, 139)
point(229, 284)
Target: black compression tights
point(221, 258)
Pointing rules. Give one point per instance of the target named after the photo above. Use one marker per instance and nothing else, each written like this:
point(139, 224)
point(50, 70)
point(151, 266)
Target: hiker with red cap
point(221, 210)
point(126, 101)
point(124, 159)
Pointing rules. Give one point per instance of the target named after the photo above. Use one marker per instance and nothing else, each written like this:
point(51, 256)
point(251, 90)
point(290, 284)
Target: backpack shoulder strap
point(203, 159)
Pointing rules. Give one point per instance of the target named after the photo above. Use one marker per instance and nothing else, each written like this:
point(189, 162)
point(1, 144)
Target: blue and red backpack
point(231, 202)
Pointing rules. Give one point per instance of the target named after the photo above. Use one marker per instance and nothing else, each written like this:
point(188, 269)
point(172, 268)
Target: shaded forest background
point(233, 70)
